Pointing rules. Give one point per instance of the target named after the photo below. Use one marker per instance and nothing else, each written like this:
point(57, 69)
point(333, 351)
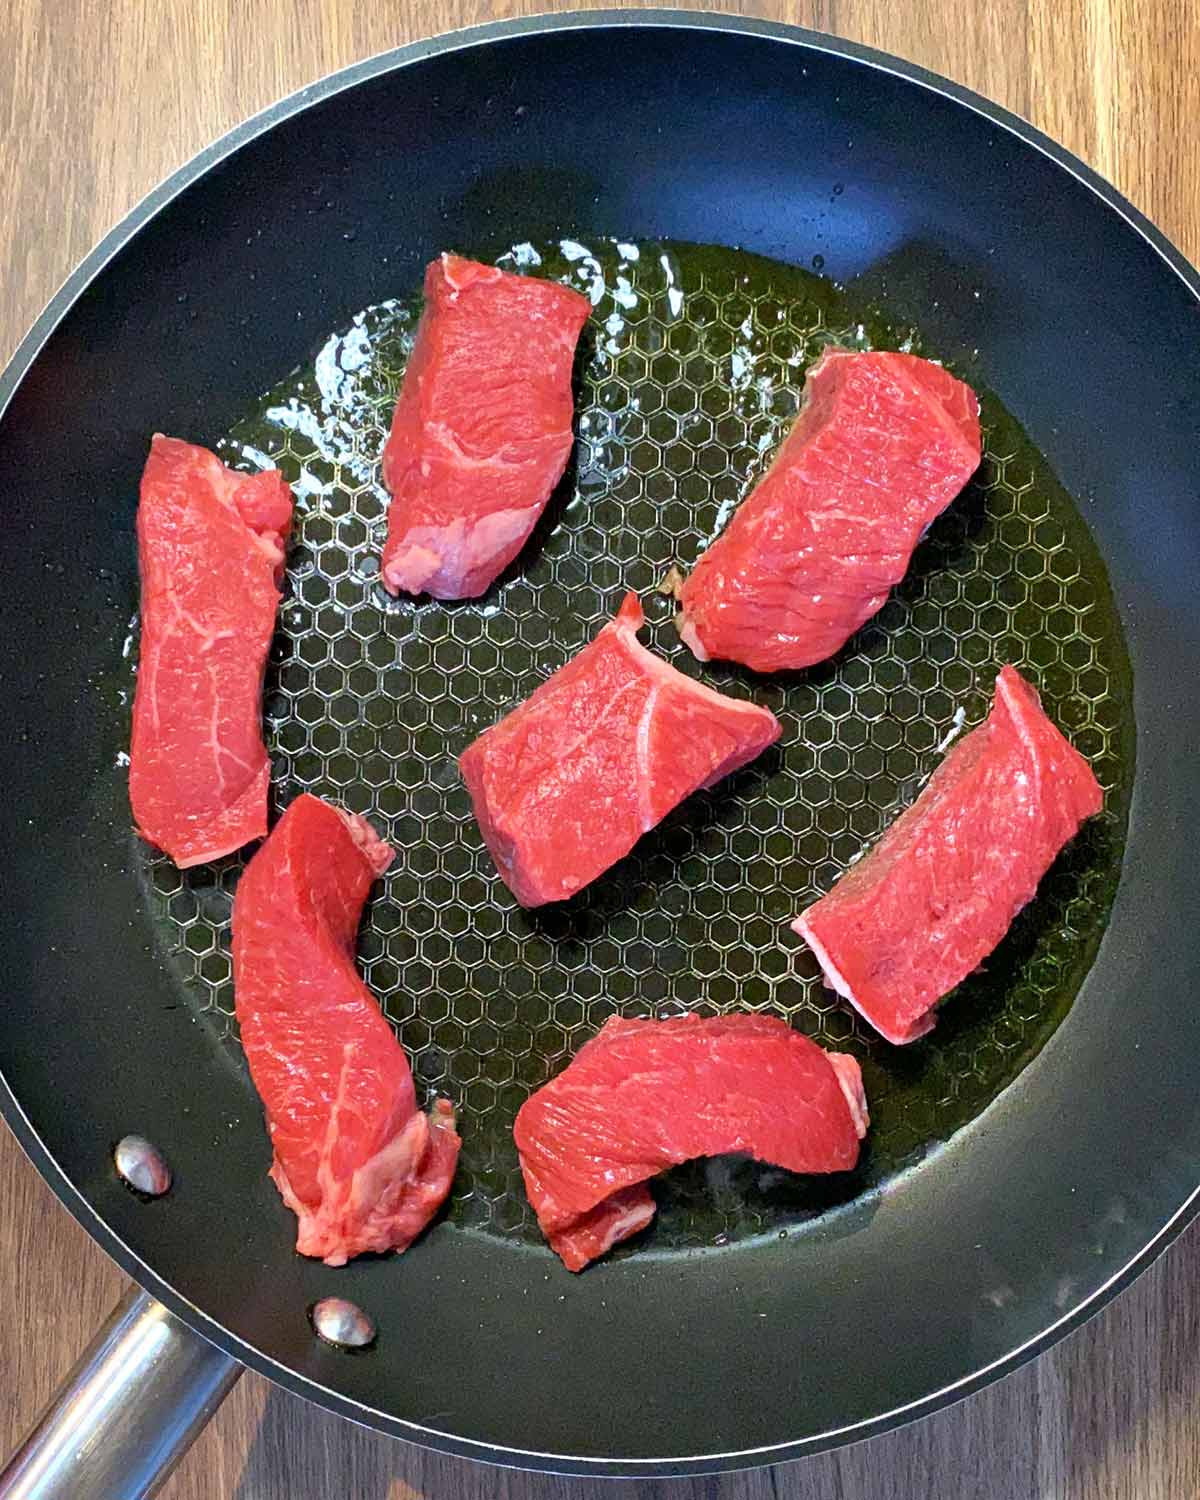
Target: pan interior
point(689, 375)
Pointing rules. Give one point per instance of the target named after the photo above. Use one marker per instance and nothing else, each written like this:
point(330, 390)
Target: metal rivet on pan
point(142, 1166)
point(342, 1323)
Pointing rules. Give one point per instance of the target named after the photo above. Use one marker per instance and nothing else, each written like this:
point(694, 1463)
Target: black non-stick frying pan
point(1032, 1155)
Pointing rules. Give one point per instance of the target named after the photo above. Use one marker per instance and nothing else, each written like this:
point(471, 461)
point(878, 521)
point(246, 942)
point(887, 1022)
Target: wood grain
point(97, 103)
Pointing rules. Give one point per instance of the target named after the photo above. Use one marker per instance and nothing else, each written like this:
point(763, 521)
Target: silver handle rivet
point(342, 1323)
point(142, 1166)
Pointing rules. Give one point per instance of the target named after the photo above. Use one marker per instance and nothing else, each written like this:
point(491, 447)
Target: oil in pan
point(690, 374)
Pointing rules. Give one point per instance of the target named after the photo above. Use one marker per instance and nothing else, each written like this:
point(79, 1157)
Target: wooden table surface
point(97, 103)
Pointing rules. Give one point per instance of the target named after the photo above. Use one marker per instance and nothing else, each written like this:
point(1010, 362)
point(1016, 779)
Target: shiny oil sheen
point(689, 375)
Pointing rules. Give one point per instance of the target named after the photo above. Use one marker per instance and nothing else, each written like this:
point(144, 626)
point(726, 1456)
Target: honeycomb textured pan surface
point(689, 374)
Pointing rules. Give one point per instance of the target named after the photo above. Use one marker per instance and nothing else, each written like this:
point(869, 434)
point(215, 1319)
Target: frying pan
point(732, 1337)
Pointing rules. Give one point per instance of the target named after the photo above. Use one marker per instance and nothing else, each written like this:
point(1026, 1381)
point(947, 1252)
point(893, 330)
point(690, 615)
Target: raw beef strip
point(359, 1164)
point(210, 546)
point(642, 1096)
point(569, 781)
point(938, 891)
point(482, 429)
point(882, 445)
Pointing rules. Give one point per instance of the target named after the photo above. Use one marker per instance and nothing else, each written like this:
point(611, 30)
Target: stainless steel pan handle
point(126, 1414)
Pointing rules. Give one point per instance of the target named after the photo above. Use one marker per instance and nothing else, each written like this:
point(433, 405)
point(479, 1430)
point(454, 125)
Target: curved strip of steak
point(482, 428)
point(210, 550)
point(642, 1096)
point(601, 752)
point(882, 445)
point(359, 1164)
point(940, 889)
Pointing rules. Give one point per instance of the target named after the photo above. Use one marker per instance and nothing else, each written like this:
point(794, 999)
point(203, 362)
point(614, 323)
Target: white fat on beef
point(837, 981)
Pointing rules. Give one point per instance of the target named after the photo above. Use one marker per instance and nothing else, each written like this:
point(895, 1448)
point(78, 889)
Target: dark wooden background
point(99, 99)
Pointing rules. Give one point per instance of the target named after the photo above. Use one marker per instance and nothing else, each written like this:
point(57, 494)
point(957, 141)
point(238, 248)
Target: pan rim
point(20, 363)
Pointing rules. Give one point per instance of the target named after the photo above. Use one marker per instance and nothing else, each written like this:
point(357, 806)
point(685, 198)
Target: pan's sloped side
point(685, 128)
